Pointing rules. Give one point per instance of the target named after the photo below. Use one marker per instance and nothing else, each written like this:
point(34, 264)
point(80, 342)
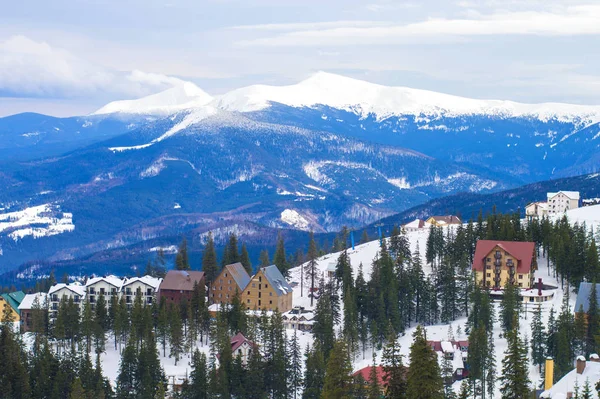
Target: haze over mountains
point(326, 152)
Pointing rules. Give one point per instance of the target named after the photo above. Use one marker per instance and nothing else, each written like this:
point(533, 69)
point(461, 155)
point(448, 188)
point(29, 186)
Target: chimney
point(549, 374)
point(594, 358)
point(569, 395)
point(580, 364)
point(540, 286)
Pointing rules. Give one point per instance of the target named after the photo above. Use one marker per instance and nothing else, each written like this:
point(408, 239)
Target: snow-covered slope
point(366, 98)
point(590, 215)
point(178, 98)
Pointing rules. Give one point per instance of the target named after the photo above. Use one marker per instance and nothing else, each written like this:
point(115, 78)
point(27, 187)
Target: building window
point(520, 277)
point(248, 300)
point(489, 275)
point(489, 259)
point(270, 294)
point(253, 285)
point(248, 292)
point(270, 302)
point(520, 284)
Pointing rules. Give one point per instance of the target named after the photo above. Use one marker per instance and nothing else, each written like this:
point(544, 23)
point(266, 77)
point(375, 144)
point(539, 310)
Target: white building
point(536, 210)
point(298, 319)
point(108, 286)
point(59, 292)
point(562, 201)
point(145, 286)
point(584, 371)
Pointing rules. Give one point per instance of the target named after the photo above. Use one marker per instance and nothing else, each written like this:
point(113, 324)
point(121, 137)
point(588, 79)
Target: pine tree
point(465, 390)
point(338, 381)
point(312, 265)
point(232, 254)
point(280, 259)
point(314, 375)
point(295, 369)
point(587, 390)
point(255, 378)
point(87, 325)
point(77, 391)
point(423, 379)
point(515, 374)
point(199, 377)
point(593, 320)
point(126, 381)
point(509, 307)
point(175, 335)
point(245, 259)
point(538, 338)
point(264, 258)
point(364, 238)
point(374, 388)
point(181, 259)
point(209, 260)
point(394, 370)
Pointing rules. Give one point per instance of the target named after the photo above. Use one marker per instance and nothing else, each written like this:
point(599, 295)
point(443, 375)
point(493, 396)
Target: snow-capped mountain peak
point(181, 97)
point(364, 98)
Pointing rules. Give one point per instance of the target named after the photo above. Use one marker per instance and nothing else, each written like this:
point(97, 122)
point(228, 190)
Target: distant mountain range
point(327, 152)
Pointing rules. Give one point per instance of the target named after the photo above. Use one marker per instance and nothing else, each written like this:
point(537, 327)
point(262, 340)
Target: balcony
point(497, 255)
point(497, 263)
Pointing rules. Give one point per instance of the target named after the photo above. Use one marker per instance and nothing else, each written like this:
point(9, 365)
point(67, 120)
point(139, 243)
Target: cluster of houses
point(267, 289)
point(438, 221)
point(556, 203)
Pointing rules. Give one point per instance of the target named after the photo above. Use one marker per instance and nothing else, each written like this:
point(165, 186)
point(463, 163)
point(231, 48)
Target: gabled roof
point(112, 280)
point(583, 296)
point(447, 219)
point(522, 251)
point(365, 372)
point(238, 340)
point(14, 299)
point(181, 280)
point(276, 280)
point(571, 194)
point(415, 224)
point(147, 280)
point(239, 274)
point(29, 300)
point(74, 287)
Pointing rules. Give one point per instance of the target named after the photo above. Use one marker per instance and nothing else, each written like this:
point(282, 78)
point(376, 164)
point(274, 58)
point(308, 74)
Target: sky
point(67, 57)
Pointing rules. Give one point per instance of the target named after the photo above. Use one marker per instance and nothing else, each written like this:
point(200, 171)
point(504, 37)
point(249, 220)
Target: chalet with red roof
point(179, 285)
point(497, 263)
point(365, 373)
point(241, 346)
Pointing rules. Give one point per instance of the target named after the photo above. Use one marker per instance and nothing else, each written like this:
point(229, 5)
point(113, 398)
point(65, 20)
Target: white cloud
point(575, 20)
point(310, 25)
point(29, 68)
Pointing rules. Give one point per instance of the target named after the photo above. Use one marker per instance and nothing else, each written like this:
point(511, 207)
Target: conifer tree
point(364, 238)
point(87, 325)
point(586, 393)
point(593, 321)
point(280, 259)
point(245, 259)
point(231, 251)
point(314, 374)
point(295, 370)
point(126, 381)
point(77, 391)
point(175, 335)
point(538, 338)
point(199, 377)
point(181, 259)
point(423, 379)
point(255, 378)
point(264, 258)
point(338, 381)
point(509, 307)
point(515, 374)
point(374, 388)
point(209, 260)
point(394, 370)
point(311, 269)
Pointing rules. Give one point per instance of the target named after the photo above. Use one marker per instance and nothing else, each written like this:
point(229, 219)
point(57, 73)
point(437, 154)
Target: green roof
point(14, 299)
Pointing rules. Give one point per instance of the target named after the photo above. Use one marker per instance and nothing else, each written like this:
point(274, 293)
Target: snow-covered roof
point(567, 383)
point(277, 280)
point(571, 194)
point(29, 300)
point(447, 347)
point(75, 287)
point(147, 280)
point(112, 280)
point(331, 266)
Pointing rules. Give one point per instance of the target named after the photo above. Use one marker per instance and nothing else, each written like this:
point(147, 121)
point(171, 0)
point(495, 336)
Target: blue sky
point(70, 57)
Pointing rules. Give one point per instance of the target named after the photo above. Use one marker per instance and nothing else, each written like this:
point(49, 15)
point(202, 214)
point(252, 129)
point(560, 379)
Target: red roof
point(522, 252)
point(366, 374)
point(238, 340)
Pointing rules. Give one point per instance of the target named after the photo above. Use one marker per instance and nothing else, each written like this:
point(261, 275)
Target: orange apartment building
point(231, 279)
point(268, 290)
point(497, 263)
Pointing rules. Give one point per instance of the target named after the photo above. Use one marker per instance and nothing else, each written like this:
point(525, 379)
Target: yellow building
point(268, 290)
point(441, 221)
point(497, 263)
point(11, 301)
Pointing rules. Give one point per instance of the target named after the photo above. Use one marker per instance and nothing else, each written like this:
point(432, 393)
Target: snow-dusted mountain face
point(327, 152)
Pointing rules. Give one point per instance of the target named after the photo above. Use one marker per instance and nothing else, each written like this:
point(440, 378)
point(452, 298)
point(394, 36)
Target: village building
point(562, 201)
point(241, 346)
point(536, 210)
point(441, 221)
point(456, 353)
point(179, 285)
point(298, 319)
point(565, 387)
point(497, 263)
point(30, 304)
point(233, 278)
point(108, 287)
point(65, 292)
point(10, 302)
point(145, 286)
point(415, 225)
point(268, 290)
